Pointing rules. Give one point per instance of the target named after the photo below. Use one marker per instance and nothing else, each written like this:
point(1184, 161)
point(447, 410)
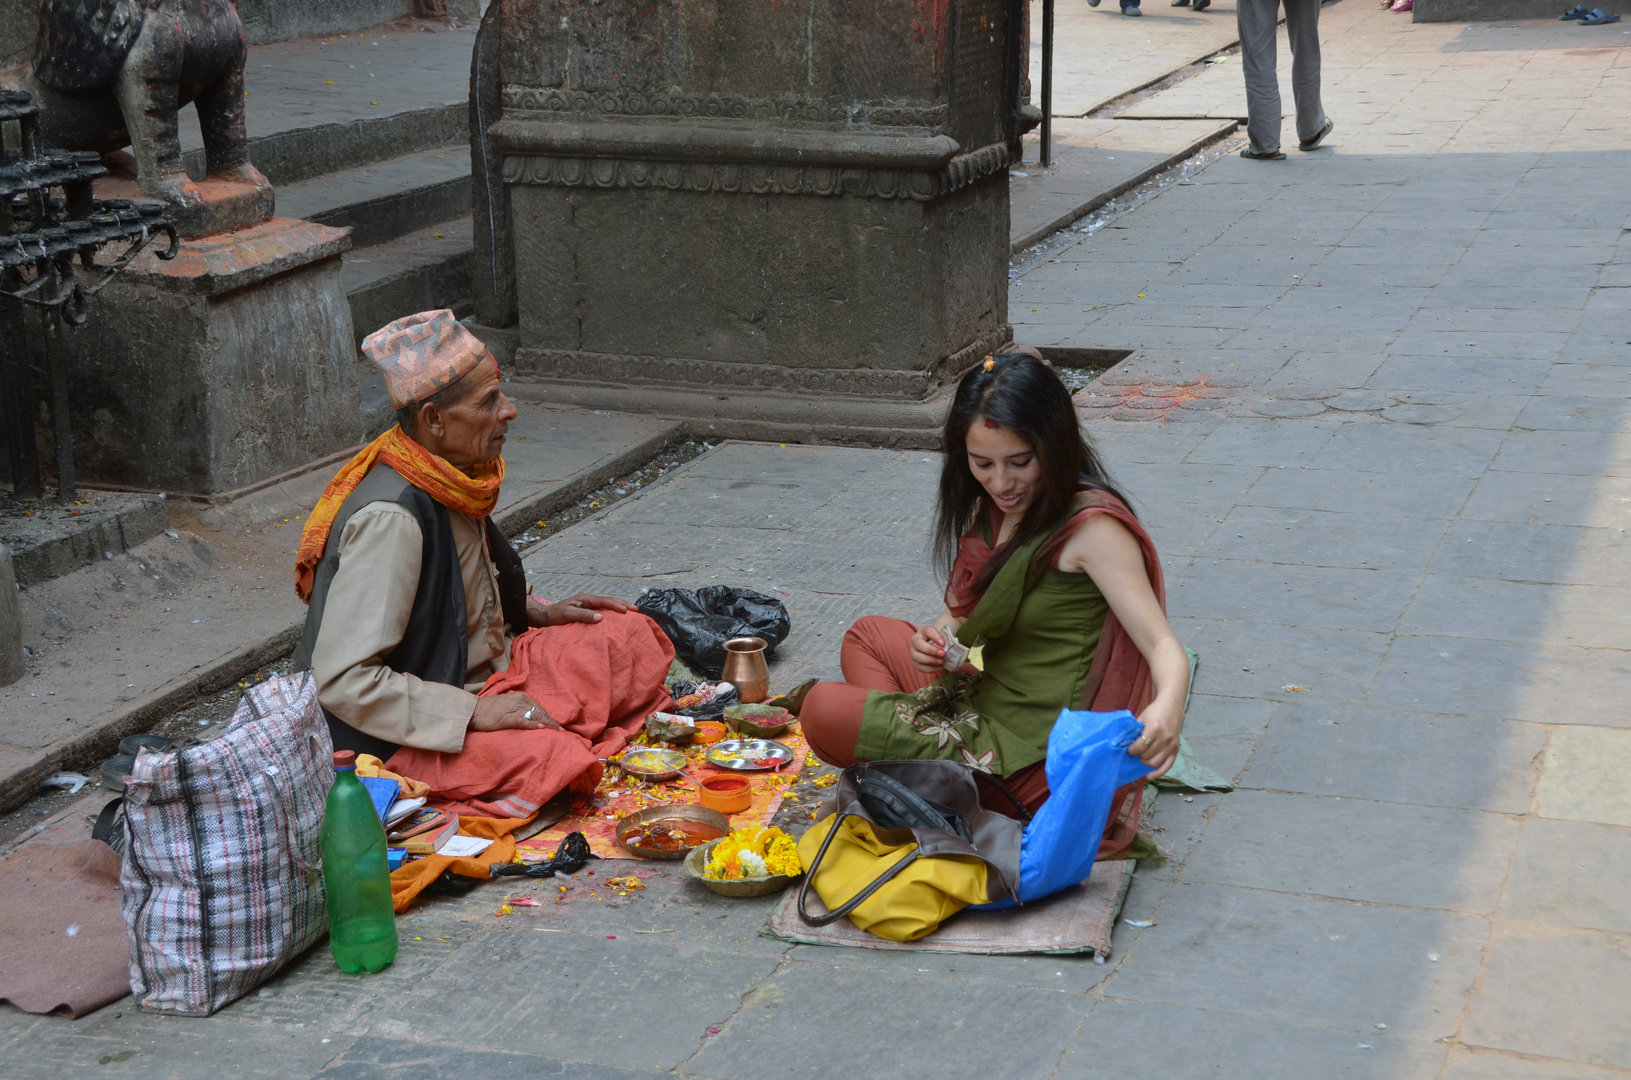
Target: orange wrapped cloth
point(411, 879)
point(599, 681)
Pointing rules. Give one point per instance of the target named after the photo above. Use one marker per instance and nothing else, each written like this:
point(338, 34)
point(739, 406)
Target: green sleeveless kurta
point(1039, 643)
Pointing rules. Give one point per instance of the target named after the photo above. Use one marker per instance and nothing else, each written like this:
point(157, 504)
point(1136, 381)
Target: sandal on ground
point(1131, 9)
point(1402, 5)
point(1579, 11)
point(1092, 3)
point(1272, 155)
point(1202, 5)
point(1185, 3)
point(1598, 18)
point(1309, 144)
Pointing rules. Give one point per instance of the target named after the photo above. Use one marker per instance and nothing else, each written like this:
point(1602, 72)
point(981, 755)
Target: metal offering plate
point(651, 763)
point(749, 755)
point(670, 831)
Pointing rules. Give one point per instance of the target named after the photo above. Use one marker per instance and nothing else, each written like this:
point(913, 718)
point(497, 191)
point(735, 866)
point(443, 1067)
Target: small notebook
point(400, 809)
point(384, 792)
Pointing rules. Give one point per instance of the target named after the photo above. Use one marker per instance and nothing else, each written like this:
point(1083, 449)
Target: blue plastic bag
point(1087, 762)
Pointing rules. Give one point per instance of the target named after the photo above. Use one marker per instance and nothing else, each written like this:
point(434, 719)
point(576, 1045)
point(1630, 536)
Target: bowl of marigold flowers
point(754, 861)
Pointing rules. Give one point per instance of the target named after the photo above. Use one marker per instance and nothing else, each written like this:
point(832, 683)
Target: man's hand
point(580, 608)
point(1158, 746)
point(503, 711)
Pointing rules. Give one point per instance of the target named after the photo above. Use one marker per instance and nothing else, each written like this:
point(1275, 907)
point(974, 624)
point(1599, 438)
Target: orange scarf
point(474, 496)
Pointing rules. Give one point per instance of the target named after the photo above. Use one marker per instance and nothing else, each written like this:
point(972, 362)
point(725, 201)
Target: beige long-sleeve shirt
point(366, 616)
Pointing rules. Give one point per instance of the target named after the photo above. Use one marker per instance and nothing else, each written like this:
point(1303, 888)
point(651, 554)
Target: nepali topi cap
point(422, 354)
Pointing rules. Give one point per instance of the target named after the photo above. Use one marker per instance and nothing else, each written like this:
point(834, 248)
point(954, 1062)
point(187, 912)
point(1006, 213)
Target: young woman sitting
point(1050, 571)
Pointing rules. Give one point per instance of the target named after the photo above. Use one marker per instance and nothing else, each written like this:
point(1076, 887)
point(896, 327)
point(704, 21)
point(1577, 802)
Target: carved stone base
point(718, 289)
point(227, 206)
point(232, 363)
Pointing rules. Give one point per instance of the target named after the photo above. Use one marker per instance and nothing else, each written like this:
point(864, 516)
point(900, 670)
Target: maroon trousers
point(876, 655)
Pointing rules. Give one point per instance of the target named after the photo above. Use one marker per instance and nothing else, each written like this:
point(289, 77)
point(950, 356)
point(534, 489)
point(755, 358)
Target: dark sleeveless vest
point(435, 646)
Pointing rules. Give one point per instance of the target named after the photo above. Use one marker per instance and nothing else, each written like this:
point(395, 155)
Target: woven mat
point(618, 795)
point(1078, 920)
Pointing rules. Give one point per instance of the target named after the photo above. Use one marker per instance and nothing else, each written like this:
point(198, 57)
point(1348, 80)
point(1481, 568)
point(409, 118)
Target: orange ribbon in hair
point(474, 496)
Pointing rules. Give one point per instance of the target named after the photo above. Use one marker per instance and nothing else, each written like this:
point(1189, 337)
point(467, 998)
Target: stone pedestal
point(11, 629)
point(748, 212)
point(228, 365)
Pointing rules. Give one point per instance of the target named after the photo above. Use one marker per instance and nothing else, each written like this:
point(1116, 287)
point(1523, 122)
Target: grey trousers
point(1256, 19)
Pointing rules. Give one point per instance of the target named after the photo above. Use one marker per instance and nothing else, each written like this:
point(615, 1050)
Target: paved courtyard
point(1377, 421)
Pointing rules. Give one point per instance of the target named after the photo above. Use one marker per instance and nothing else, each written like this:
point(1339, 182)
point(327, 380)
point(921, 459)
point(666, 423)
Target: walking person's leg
point(1303, 31)
point(1256, 20)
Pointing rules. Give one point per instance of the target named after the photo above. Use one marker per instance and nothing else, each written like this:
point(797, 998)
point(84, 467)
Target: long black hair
point(1022, 393)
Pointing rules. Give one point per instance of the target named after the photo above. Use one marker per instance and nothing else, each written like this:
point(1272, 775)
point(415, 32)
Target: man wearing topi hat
point(428, 651)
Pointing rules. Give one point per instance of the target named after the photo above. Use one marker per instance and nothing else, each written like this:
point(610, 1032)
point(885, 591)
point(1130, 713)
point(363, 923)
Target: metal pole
point(1047, 83)
point(62, 430)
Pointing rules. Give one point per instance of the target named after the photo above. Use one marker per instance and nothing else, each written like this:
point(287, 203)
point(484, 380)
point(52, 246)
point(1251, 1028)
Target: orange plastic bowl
point(709, 731)
point(727, 794)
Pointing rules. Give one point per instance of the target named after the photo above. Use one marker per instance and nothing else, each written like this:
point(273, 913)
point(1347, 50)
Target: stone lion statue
point(111, 73)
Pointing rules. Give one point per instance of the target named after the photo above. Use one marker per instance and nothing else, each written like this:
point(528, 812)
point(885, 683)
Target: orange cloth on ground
point(599, 681)
point(369, 765)
point(411, 879)
point(473, 496)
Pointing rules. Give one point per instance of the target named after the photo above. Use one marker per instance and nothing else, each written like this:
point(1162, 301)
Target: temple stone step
point(268, 21)
point(386, 199)
point(417, 272)
point(328, 104)
point(265, 21)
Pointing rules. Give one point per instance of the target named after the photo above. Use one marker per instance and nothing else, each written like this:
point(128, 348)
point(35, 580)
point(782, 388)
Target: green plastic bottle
point(361, 921)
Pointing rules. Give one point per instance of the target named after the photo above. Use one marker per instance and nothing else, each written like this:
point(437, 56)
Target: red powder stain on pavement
point(1154, 400)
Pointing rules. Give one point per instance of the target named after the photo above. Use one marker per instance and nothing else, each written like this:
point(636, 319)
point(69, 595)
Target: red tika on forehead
point(991, 423)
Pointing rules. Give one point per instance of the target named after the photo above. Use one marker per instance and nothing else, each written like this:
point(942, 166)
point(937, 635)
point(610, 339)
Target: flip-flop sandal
point(1202, 5)
point(1579, 11)
point(1252, 155)
point(1309, 144)
point(1598, 18)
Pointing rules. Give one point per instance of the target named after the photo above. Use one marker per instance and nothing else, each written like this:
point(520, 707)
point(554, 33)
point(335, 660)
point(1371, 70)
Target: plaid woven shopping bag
point(222, 872)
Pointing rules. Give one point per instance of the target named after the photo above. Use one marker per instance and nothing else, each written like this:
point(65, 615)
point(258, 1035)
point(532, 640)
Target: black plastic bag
point(708, 710)
point(699, 623)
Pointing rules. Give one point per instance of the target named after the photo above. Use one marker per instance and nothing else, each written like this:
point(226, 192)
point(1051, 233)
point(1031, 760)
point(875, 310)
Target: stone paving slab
point(1336, 965)
point(1423, 337)
point(1093, 162)
point(1137, 1038)
point(1100, 54)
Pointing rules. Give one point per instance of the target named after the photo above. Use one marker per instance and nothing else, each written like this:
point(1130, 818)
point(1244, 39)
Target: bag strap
point(859, 898)
point(990, 778)
point(105, 822)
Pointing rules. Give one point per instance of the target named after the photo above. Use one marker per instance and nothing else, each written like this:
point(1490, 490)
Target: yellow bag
point(887, 889)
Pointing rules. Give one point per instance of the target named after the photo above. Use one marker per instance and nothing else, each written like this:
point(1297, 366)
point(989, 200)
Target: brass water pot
point(745, 668)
